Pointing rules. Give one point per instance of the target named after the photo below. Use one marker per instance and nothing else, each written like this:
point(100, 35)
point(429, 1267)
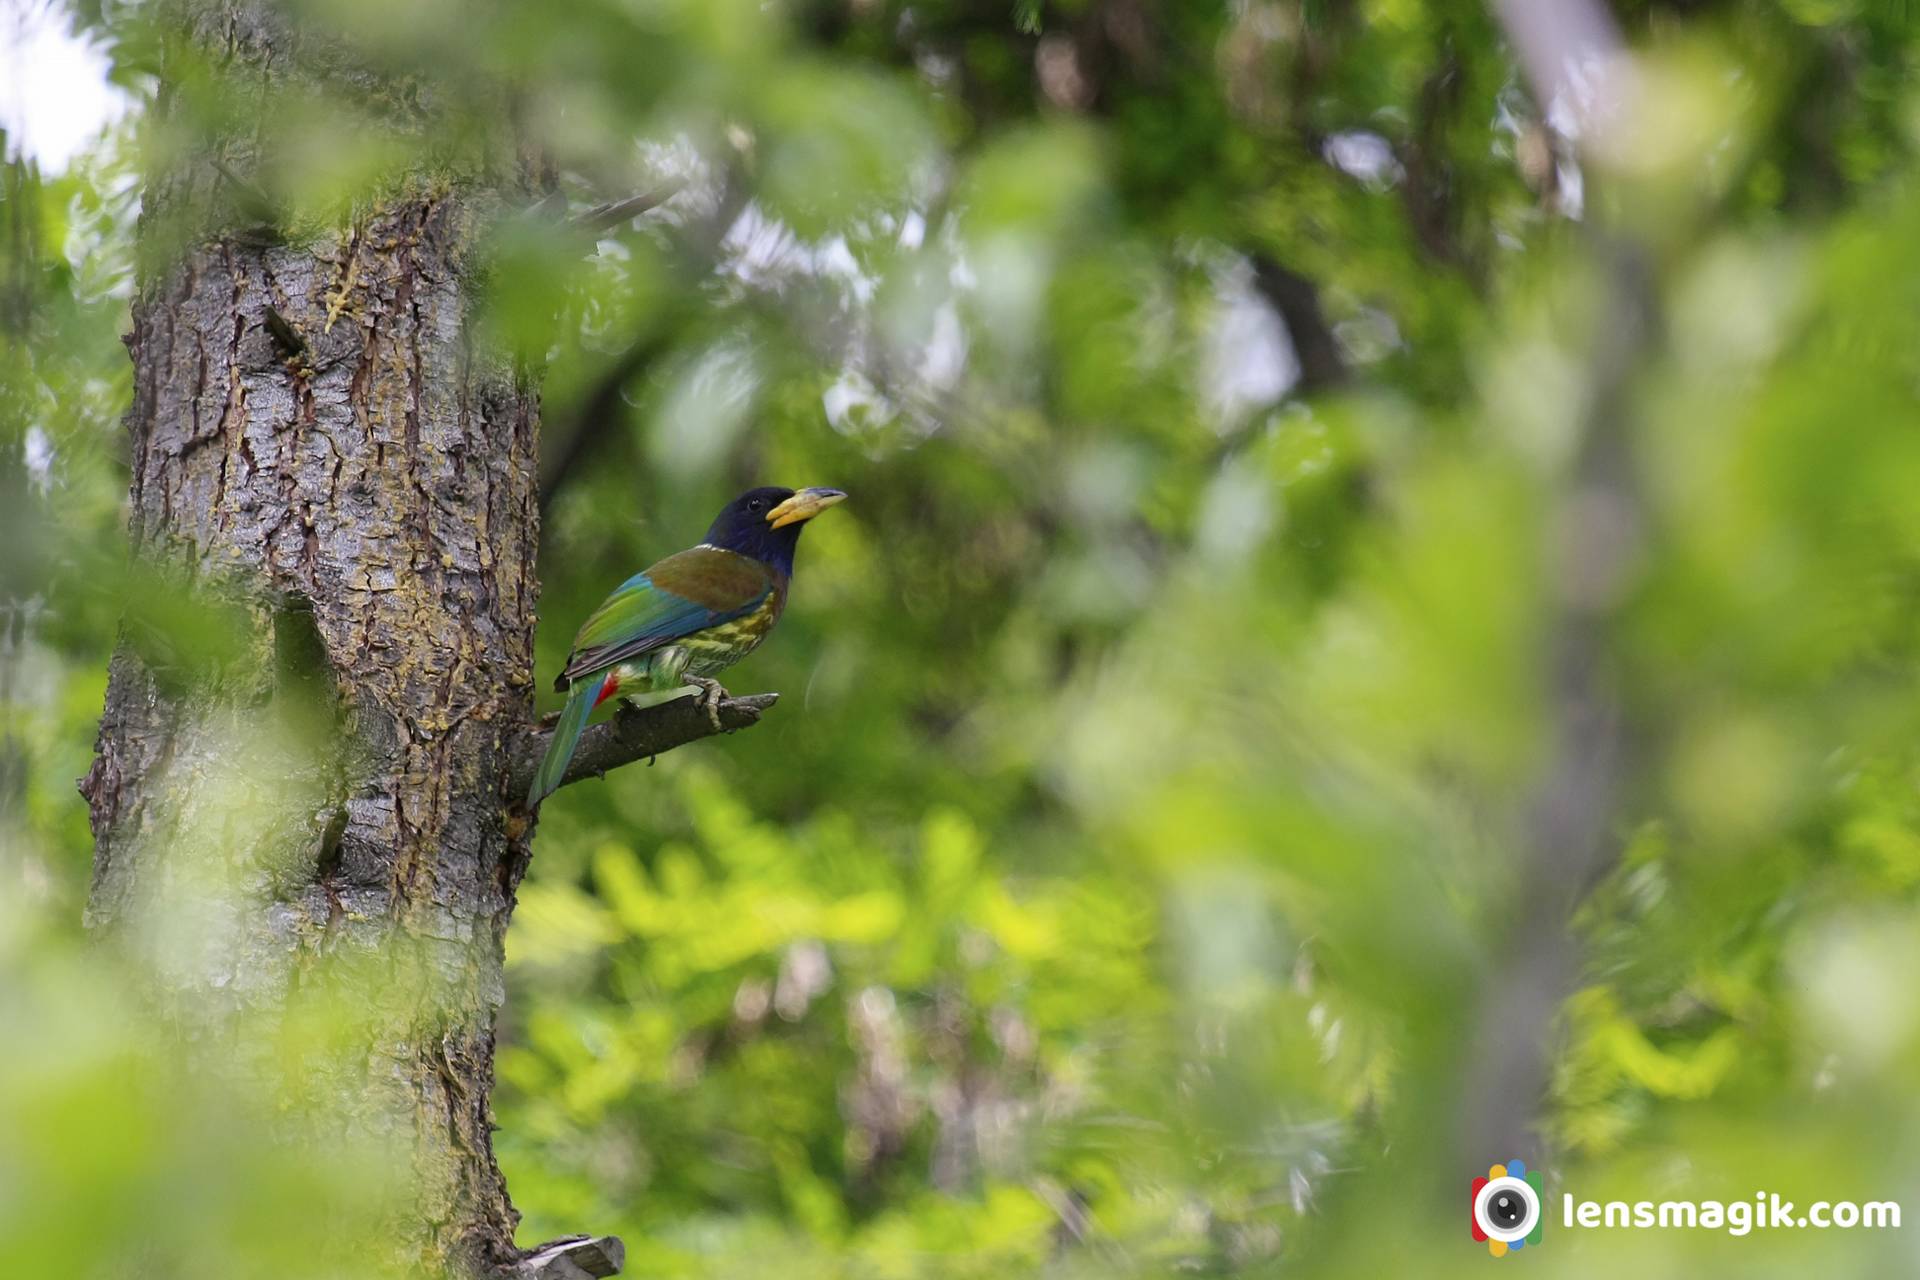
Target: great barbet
point(686, 618)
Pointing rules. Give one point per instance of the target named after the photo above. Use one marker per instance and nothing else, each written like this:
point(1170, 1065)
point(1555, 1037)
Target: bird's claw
point(709, 700)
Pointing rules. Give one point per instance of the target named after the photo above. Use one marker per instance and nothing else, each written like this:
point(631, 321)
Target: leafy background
point(1130, 878)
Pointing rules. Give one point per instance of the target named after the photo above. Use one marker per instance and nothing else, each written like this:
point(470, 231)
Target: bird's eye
point(756, 504)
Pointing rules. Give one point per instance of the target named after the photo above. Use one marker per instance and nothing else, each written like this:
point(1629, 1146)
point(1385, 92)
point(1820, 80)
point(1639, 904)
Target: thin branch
point(1297, 299)
point(601, 411)
point(1430, 190)
point(615, 212)
point(551, 209)
point(573, 1258)
point(634, 733)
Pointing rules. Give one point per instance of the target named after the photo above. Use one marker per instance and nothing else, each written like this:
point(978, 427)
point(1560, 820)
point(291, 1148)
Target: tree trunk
point(318, 725)
point(377, 500)
point(317, 442)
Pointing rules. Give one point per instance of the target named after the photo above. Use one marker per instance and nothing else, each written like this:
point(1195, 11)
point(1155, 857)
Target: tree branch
point(1297, 299)
point(634, 733)
point(600, 410)
point(614, 212)
point(573, 1258)
point(1569, 822)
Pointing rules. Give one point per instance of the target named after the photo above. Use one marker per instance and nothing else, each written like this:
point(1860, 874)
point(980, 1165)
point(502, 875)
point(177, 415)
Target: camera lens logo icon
point(1506, 1208)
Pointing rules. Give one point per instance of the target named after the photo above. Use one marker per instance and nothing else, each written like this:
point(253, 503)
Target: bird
point(680, 621)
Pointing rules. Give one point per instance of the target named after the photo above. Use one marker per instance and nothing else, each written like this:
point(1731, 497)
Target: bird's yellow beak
point(804, 505)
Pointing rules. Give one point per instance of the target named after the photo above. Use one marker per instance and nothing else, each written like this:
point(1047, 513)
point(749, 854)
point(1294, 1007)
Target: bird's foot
point(709, 699)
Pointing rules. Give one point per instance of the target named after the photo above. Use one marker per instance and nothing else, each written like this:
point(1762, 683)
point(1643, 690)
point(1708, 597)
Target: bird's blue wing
point(681, 595)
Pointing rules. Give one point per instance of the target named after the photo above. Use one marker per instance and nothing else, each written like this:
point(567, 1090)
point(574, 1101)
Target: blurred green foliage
point(1115, 887)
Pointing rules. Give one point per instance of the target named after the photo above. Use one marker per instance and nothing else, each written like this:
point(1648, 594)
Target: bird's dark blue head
point(766, 523)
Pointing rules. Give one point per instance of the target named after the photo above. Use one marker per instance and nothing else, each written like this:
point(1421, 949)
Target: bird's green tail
point(566, 736)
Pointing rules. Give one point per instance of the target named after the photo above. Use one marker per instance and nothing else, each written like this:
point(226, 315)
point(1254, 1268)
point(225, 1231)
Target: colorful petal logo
point(1506, 1208)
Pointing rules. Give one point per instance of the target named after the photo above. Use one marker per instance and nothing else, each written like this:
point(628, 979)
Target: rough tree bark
point(318, 441)
point(381, 502)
